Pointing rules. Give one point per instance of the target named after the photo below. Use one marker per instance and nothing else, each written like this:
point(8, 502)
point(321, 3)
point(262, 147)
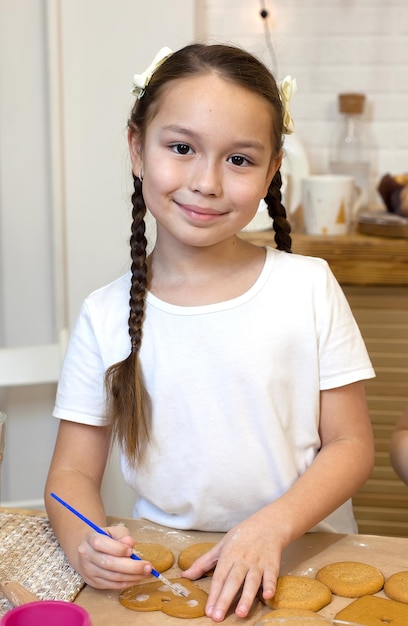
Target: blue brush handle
point(97, 528)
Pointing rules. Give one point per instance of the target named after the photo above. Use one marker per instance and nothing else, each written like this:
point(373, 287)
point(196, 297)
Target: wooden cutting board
point(382, 224)
point(384, 230)
point(304, 557)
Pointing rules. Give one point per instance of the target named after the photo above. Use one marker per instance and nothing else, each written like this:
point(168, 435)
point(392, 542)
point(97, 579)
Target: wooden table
point(303, 557)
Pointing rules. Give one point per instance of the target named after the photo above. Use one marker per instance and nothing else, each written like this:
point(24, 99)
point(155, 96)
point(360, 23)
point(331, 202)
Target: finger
point(123, 565)
point(200, 567)
point(111, 556)
point(127, 540)
point(203, 564)
point(108, 579)
point(224, 588)
point(249, 592)
point(122, 534)
point(108, 545)
point(270, 577)
point(118, 531)
point(104, 570)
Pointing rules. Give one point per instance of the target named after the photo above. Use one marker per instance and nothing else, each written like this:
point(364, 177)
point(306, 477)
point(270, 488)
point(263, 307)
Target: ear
point(274, 165)
point(135, 150)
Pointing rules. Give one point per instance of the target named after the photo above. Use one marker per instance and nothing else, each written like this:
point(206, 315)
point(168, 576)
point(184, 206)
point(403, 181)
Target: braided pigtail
point(277, 212)
point(127, 401)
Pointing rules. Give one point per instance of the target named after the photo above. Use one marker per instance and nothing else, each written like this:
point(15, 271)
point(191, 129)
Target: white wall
point(27, 315)
point(331, 46)
point(66, 69)
point(25, 223)
point(103, 45)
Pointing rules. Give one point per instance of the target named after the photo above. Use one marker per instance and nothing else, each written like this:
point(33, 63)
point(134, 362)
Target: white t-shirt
point(234, 388)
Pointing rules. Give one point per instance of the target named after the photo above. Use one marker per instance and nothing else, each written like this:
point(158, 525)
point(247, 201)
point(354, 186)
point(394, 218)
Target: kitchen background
point(65, 73)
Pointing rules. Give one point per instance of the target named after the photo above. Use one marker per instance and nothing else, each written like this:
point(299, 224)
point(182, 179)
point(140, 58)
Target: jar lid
point(351, 102)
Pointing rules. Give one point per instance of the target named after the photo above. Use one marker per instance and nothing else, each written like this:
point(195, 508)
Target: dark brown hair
point(128, 409)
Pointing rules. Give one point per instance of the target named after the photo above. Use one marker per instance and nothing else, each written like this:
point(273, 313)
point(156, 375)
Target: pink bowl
point(47, 613)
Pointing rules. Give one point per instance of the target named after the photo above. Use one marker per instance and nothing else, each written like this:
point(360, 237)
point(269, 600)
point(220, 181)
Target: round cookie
point(375, 611)
point(159, 556)
point(155, 596)
point(299, 592)
point(192, 553)
point(278, 613)
point(351, 579)
point(396, 586)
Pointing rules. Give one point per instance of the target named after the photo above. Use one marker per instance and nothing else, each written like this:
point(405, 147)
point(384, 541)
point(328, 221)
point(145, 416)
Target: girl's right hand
point(105, 563)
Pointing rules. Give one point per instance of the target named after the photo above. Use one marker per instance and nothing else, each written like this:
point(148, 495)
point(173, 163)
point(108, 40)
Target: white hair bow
point(287, 87)
point(140, 81)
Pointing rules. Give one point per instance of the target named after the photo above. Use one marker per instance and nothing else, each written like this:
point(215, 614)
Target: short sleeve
point(80, 394)
point(343, 355)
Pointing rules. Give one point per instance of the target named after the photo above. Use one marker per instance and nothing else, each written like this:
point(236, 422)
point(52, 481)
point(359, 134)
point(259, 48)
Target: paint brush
point(178, 589)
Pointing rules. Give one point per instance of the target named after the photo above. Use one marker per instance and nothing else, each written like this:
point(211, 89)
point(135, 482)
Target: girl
point(234, 384)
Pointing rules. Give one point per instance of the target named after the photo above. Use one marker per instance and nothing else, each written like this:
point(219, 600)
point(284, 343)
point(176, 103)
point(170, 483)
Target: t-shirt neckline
point(257, 286)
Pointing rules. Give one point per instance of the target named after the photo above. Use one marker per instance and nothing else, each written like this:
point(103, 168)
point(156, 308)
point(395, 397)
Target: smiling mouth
point(201, 212)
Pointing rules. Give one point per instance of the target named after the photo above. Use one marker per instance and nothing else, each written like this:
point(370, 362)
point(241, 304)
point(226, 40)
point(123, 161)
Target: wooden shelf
point(355, 259)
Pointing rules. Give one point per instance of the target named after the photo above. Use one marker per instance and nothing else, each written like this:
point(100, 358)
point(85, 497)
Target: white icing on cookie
point(192, 602)
point(183, 589)
point(143, 597)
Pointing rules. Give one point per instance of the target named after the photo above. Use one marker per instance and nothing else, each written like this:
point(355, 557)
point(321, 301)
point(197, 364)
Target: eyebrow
point(181, 130)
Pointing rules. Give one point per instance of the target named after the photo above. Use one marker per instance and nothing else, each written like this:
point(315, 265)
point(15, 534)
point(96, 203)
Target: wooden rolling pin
point(16, 593)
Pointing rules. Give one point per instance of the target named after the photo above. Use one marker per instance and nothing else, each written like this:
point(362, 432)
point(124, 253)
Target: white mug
point(329, 202)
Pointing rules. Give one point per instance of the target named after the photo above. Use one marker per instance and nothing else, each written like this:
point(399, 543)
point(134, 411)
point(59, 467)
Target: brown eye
point(182, 148)
point(239, 160)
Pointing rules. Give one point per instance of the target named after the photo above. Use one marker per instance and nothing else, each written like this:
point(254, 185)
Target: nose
point(206, 177)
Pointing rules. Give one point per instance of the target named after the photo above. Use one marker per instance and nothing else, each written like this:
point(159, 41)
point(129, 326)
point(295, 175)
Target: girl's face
point(207, 159)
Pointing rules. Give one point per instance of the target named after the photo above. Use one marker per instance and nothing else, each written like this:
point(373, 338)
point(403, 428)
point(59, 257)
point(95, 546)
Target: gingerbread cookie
point(375, 611)
point(192, 553)
point(155, 596)
point(159, 556)
point(396, 586)
point(299, 592)
point(351, 579)
point(279, 613)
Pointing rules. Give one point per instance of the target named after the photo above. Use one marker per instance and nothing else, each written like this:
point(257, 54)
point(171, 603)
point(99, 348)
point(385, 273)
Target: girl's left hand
point(246, 557)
